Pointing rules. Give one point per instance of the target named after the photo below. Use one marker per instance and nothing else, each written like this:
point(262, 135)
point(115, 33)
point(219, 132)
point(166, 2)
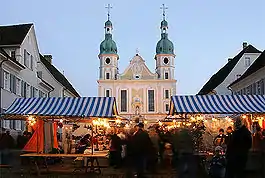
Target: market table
point(91, 159)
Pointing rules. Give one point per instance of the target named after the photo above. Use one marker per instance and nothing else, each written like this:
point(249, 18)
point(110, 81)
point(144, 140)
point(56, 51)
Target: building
point(24, 71)
point(140, 93)
point(233, 69)
point(252, 81)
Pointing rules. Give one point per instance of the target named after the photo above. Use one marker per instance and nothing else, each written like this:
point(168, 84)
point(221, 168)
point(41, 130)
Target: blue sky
point(205, 34)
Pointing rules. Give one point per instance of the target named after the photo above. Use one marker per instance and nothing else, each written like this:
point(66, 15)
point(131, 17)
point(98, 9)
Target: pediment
point(137, 70)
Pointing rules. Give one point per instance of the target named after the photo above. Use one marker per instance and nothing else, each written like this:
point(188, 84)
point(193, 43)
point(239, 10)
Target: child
point(217, 166)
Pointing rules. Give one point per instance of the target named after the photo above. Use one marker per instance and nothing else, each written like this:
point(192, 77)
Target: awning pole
point(92, 138)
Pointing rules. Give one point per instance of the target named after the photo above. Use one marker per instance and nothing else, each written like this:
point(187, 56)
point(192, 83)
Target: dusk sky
point(205, 34)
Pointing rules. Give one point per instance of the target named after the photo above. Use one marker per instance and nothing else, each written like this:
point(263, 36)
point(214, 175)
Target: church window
point(166, 60)
point(166, 94)
point(166, 75)
point(151, 100)
point(107, 75)
point(107, 60)
point(167, 107)
point(107, 93)
point(123, 100)
point(107, 29)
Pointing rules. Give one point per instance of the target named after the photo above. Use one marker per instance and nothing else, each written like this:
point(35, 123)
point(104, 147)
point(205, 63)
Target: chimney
point(245, 44)
point(48, 58)
point(230, 59)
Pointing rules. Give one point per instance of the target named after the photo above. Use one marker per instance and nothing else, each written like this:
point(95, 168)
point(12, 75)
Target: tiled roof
point(258, 64)
point(221, 75)
point(2, 51)
point(13, 34)
point(58, 76)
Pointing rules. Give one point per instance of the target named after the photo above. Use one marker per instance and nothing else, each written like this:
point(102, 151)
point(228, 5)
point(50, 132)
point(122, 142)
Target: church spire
point(164, 45)
point(108, 46)
point(164, 24)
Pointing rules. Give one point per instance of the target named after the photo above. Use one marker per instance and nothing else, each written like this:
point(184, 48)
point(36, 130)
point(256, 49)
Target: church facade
point(142, 95)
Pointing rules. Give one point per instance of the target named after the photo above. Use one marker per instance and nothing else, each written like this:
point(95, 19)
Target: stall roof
point(64, 106)
point(217, 104)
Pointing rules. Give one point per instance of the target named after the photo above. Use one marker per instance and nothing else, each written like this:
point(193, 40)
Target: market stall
point(212, 112)
point(57, 110)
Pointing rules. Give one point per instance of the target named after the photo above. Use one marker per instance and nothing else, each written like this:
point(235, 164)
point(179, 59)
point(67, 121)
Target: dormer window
point(247, 61)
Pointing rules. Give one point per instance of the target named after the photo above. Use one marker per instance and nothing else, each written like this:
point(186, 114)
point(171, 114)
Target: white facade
point(138, 91)
point(253, 84)
point(20, 78)
point(243, 64)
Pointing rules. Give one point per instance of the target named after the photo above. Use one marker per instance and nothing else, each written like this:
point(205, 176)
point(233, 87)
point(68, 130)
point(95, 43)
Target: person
point(22, 140)
point(217, 165)
point(229, 133)
point(6, 144)
point(187, 166)
point(219, 140)
point(115, 151)
point(237, 150)
point(141, 148)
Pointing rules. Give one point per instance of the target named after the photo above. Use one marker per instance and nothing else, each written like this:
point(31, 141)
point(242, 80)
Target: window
point(31, 91)
point(26, 58)
point(18, 86)
point(247, 61)
point(107, 76)
point(166, 75)
point(151, 100)
point(123, 100)
point(28, 90)
point(7, 124)
point(250, 89)
point(31, 62)
point(258, 88)
point(17, 125)
point(23, 89)
point(167, 107)
point(262, 87)
point(107, 93)
point(6, 80)
point(244, 91)
point(254, 89)
point(13, 54)
point(12, 83)
point(166, 94)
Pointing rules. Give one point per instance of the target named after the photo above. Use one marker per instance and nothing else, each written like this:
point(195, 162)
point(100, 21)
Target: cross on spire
point(108, 7)
point(137, 51)
point(164, 8)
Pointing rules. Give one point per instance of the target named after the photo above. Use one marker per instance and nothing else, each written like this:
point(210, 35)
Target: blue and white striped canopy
point(64, 106)
point(217, 104)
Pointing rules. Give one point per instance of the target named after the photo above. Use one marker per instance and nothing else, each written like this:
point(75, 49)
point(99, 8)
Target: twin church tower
point(140, 94)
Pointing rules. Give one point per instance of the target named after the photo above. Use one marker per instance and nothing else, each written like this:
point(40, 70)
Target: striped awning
point(64, 106)
point(217, 104)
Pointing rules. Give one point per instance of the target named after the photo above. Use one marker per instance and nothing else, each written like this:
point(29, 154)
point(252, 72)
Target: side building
point(252, 82)
point(24, 73)
point(231, 71)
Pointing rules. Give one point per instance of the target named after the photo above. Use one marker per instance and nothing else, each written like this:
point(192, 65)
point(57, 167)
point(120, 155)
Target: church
point(142, 95)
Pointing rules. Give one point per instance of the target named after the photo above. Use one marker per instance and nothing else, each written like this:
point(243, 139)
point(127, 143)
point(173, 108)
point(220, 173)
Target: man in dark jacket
point(142, 145)
point(237, 150)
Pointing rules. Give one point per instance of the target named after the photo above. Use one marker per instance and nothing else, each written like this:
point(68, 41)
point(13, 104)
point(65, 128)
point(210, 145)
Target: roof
point(2, 51)
point(221, 75)
point(258, 64)
point(13, 34)
point(58, 76)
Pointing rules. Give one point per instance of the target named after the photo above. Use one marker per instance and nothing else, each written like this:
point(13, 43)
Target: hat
point(218, 148)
